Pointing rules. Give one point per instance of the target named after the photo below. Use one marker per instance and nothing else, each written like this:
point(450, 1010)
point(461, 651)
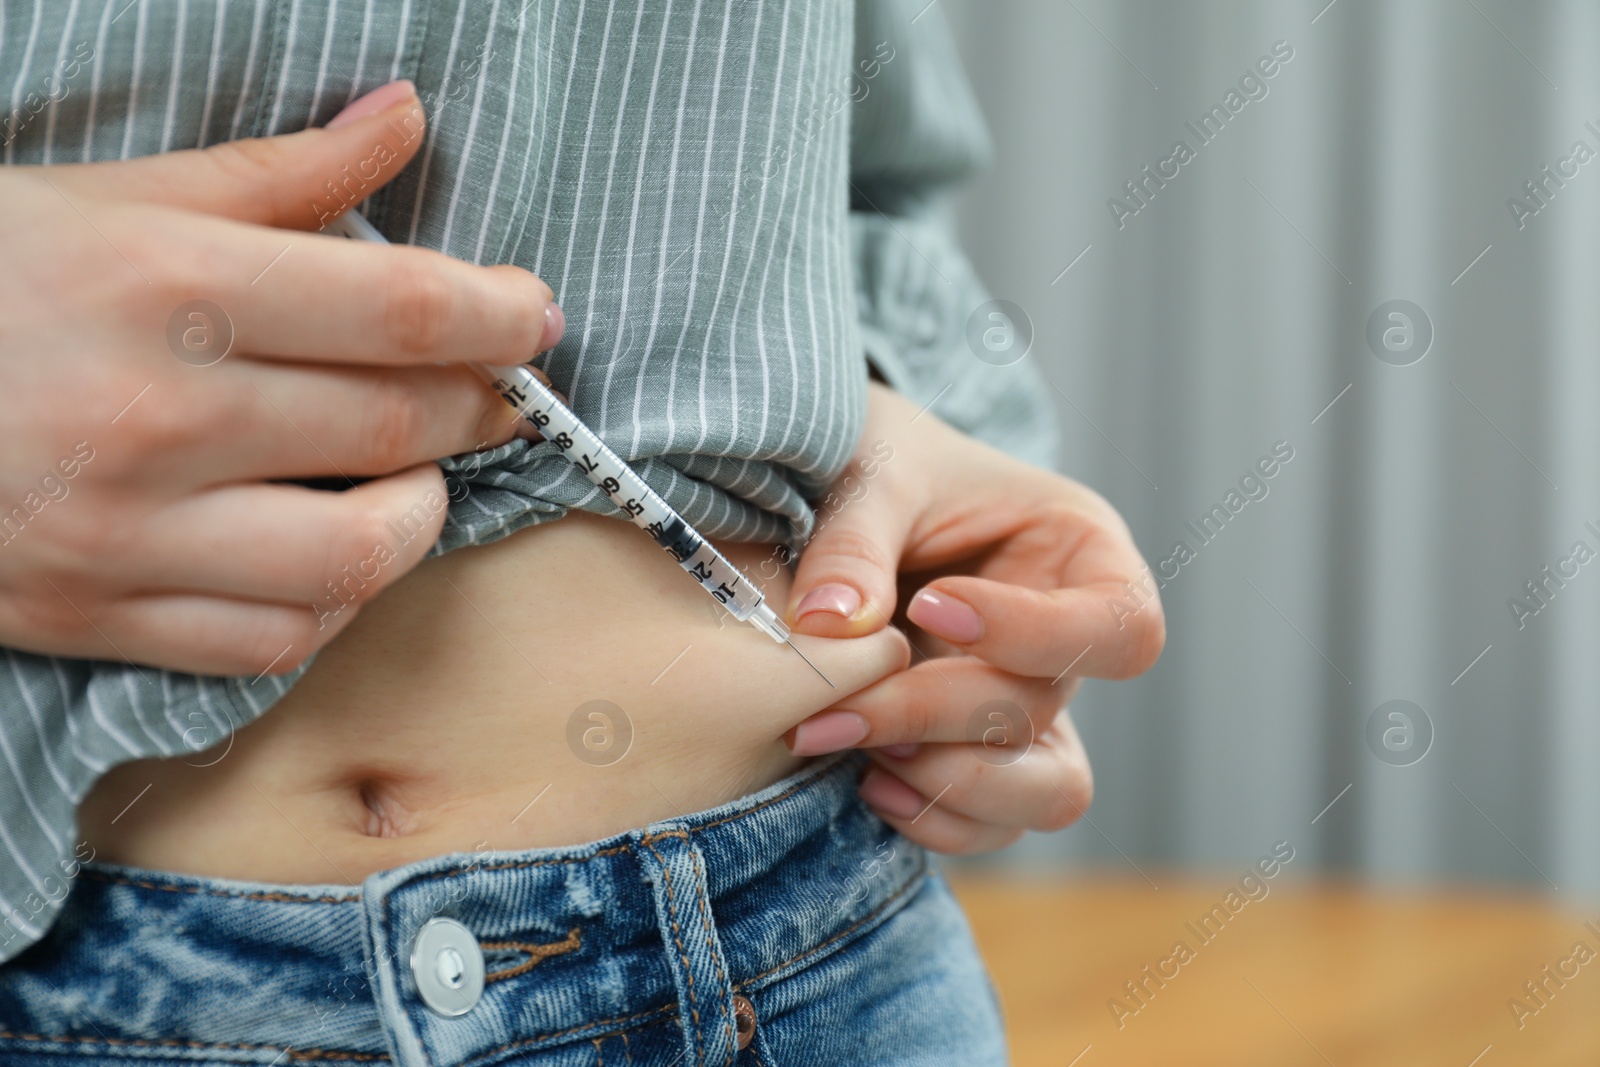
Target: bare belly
point(556, 687)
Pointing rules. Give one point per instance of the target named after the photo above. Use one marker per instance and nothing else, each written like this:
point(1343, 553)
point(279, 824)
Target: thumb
point(298, 181)
point(846, 583)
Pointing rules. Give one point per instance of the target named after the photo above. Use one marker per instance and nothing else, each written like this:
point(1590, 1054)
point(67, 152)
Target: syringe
point(582, 447)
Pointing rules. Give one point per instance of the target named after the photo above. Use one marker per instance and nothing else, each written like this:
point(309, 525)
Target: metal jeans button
point(448, 967)
point(744, 1021)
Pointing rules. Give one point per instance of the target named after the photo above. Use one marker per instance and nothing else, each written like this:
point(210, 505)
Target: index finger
point(305, 296)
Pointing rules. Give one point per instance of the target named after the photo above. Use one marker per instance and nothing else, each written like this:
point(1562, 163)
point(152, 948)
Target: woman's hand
point(142, 515)
point(1024, 581)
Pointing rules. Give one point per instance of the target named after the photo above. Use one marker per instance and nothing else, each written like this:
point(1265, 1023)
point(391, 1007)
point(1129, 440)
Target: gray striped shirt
point(732, 199)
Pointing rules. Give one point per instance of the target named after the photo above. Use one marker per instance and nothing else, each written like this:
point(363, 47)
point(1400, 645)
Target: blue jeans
point(789, 927)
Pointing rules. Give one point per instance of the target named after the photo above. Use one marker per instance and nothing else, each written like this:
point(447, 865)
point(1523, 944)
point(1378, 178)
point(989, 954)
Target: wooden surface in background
point(1307, 975)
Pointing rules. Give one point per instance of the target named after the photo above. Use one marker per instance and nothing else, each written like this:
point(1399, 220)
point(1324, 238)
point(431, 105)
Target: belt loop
point(677, 873)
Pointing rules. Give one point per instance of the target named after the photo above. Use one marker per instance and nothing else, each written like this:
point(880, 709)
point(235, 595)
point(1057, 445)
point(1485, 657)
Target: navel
point(385, 815)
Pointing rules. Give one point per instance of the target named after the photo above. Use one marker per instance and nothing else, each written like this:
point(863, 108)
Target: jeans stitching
point(521, 1042)
point(178, 1042)
point(272, 898)
point(723, 990)
point(518, 865)
point(672, 919)
point(536, 952)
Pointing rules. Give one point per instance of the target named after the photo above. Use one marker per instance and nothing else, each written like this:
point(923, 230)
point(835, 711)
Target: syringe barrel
point(640, 504)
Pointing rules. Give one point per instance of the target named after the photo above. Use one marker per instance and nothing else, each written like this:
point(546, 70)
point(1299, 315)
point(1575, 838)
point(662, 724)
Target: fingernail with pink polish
point(375, 102)
point(555, 324)
point(889, 794)
point(832, 731)
point(944, 616)
point(905, 751)
point(835, 597)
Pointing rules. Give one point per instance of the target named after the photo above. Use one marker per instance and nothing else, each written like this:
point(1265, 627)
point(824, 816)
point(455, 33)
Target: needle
point(813, 666)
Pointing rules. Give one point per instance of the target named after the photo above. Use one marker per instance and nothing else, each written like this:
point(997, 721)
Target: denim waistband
point(659, 925)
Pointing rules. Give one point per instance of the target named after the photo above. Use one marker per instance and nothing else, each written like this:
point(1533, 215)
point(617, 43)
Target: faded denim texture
point(842, 934)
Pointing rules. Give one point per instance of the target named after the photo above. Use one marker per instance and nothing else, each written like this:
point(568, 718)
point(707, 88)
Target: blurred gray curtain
point(1225, 316)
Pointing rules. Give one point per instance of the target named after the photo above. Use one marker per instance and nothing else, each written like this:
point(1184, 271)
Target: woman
point(389, 863)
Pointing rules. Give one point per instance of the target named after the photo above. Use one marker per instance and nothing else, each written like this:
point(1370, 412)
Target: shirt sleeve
point(925, 316)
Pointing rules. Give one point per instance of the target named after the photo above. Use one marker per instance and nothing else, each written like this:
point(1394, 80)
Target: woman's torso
point(562, 685)
point(676, 172)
